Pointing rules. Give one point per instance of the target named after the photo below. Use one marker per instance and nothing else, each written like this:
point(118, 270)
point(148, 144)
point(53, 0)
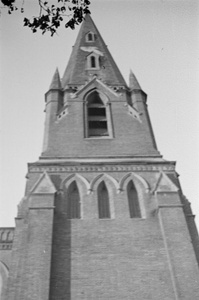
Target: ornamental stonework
point(35, 169)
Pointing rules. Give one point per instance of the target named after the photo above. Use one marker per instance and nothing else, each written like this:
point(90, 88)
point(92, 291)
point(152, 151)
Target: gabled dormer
point(93, 61)
point(90, 37)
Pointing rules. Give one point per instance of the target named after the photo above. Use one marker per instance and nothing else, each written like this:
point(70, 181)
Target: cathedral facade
point(103, 216)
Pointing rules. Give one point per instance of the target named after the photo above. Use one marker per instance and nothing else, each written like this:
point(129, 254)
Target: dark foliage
point(51, 15)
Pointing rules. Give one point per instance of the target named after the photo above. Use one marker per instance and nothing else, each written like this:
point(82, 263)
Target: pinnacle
point(133, 83)
point(55, 83)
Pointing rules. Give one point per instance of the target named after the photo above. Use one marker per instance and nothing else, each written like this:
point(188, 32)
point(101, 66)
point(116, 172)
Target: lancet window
point(93, 61)
point(103, 201)
point(133, 201)
point(73, 202)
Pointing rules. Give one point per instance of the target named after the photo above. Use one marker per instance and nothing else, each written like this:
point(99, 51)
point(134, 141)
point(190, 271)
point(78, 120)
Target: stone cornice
point(55, 168)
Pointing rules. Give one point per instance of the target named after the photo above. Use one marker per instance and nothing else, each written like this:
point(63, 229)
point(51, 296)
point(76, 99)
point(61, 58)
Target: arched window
point(134, 208)
point(4, 235)
point(96, 116)
point(73, 202)
point(103, 201)
point(93, 62)
point(90, 37)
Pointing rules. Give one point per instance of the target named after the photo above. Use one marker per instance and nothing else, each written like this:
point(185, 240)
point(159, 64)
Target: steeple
point(90, 56)
point(56, 82)
point(91, 112)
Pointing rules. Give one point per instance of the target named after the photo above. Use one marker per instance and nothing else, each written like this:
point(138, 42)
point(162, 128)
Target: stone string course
point(101, 168)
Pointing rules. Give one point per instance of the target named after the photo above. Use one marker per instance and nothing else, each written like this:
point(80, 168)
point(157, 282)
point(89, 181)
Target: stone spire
point(133, 83)
point(55, 83)
point(77, 71)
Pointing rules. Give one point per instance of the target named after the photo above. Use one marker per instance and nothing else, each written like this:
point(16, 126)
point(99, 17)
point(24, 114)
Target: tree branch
point(50, 17)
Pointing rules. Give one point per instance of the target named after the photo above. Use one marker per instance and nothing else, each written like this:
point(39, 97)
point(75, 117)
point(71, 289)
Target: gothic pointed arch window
point(73, 202)
point(133, 201)
point(97, 116)
point(103, 201)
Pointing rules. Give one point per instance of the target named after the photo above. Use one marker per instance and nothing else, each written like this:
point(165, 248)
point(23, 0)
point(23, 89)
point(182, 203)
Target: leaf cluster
point(51, 16)
point(10, 4)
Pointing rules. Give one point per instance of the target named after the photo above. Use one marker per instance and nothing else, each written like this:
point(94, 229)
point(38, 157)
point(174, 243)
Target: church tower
point(103, 216)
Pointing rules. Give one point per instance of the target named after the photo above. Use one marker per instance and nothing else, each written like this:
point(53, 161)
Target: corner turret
point(56, 82)
point(139, 102)
point(54, 102)
point(133, 83)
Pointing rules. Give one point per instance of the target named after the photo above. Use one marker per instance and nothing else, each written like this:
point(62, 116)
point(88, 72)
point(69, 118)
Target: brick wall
point(31, 254)
point(119, 258)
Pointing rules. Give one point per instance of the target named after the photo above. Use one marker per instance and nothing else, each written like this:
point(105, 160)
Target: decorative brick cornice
point(97, 168)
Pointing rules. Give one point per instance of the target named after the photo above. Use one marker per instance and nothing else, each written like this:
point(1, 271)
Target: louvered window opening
point(103, 202)
point(73, 207)
point(97, 120)
point(134, 207)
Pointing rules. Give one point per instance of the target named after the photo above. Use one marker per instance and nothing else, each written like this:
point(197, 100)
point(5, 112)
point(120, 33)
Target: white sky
point(158, 39)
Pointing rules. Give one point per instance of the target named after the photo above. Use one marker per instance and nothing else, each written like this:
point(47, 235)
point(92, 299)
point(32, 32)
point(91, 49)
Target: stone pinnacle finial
point(133, 83)
point(55, 83)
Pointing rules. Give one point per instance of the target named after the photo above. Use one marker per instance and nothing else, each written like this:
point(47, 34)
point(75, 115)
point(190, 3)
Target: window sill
point(93, 68)
point(105, 219)
point(99, 138)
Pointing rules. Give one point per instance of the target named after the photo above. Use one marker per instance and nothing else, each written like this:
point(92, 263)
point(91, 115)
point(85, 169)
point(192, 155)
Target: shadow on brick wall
point(60, 285)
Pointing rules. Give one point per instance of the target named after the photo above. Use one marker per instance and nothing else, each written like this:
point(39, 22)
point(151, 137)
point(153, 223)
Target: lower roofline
point(103, 160)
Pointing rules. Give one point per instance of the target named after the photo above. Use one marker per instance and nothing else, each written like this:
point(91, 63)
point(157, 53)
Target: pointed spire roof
point(133, 83)
point(77, 71)
point(56, 82)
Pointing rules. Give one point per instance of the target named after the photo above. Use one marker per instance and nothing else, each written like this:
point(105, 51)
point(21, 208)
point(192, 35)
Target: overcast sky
point(157, 39)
